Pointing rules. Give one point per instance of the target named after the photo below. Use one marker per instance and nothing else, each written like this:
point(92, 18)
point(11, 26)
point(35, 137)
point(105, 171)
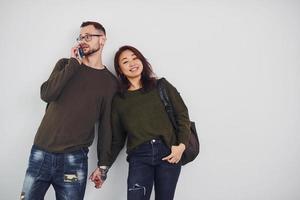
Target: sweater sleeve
point(181, 114)
point(119, 133)
point(61, 74)
point(105, 130)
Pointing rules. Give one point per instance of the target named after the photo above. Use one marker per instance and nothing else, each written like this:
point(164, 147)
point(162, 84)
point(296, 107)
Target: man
point(79, 93)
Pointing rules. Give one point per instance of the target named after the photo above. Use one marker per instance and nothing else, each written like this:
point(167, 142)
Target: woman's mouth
point(133, 69)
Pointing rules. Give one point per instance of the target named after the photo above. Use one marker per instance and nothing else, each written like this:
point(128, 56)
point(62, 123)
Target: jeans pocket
point(85, 152)
point(36, 160)
point(164, 150)
point(132, 153)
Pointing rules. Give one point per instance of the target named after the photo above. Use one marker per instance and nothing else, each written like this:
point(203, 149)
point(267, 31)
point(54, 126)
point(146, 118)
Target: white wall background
point(236, 64)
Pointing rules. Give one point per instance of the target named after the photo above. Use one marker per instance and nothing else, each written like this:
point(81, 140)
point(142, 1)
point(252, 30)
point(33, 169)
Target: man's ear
point(102, 41)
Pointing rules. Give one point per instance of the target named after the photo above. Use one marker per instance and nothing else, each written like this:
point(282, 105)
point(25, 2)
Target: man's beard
point(92, 51)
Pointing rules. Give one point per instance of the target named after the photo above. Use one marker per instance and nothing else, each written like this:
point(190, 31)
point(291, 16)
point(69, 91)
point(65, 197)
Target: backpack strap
point(166, 101)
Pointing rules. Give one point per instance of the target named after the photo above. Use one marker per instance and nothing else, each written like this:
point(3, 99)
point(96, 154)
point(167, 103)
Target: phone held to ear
point(80, 52)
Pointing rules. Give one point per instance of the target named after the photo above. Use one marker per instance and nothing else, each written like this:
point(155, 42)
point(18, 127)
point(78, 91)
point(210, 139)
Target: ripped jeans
point(146, 168)
point(67, 172)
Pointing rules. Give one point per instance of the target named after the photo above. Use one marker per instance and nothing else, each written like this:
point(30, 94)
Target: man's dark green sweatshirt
point(78, 96)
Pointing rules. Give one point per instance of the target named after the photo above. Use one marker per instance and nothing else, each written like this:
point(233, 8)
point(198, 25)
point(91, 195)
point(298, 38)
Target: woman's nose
point(131, 63)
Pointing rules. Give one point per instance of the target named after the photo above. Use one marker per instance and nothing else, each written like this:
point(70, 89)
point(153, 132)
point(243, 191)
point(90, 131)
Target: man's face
point(92, 40)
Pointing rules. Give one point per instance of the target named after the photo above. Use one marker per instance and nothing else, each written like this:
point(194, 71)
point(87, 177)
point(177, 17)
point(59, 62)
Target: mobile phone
point(80, 52)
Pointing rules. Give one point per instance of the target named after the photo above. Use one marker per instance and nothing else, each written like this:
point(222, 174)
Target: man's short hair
point(97, 26)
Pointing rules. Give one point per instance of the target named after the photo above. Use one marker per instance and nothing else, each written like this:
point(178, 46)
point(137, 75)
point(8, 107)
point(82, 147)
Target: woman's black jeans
point(147, 167)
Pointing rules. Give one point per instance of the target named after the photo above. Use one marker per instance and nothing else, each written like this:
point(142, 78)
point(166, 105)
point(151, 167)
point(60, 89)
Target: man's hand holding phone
point(77, 53)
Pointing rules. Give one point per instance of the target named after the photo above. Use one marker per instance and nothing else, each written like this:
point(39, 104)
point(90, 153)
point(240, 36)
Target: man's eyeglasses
point(87, 37)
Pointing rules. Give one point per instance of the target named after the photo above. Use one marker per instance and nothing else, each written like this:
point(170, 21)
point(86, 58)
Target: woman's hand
point(176, 153)
point(96, 178)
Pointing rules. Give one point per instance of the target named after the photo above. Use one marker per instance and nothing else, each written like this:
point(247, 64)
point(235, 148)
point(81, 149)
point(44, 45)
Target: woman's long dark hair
point(148, 79)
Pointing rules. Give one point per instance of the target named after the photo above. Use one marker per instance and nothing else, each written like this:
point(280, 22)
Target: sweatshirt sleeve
point(105, 130)
point(119, 133)
point(61, 74)
point(181, 114)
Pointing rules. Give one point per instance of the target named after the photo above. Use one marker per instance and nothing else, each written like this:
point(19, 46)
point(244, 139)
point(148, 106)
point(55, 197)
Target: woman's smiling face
point(130, 65)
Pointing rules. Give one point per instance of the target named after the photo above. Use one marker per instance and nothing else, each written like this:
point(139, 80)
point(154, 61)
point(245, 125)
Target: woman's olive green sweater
point(140, 116)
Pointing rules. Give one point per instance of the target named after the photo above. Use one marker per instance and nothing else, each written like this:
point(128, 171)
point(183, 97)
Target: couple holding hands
point(81, 91)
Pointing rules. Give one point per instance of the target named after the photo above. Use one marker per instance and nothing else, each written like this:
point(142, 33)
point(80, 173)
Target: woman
point(154, 149)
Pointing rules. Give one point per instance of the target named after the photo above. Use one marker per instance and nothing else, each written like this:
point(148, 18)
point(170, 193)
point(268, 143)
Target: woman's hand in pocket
point(176, 153)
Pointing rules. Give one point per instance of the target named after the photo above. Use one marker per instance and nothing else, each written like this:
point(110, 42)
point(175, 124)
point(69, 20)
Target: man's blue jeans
point(147, 167)
point(67, 172)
